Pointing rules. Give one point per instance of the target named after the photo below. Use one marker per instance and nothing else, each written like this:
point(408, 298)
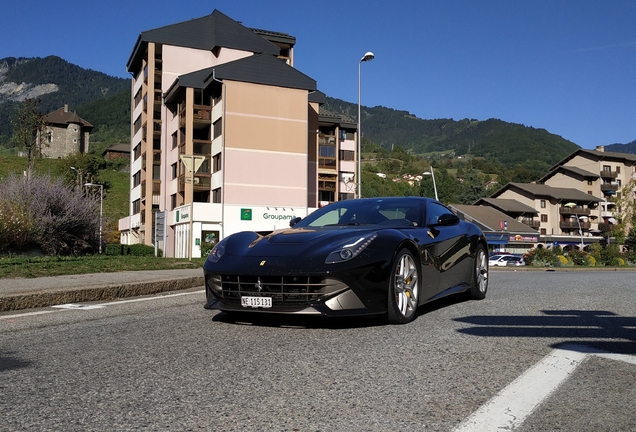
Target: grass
point(31, 267)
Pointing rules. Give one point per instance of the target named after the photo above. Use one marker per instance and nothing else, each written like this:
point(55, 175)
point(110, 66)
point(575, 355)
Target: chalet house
point(65, 133)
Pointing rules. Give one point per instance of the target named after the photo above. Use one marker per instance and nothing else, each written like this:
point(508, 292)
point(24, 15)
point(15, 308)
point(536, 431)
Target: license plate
point(256, 302)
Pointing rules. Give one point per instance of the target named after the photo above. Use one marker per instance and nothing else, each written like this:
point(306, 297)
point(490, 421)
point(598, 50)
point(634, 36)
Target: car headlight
point(351, 250)
point(217, 251)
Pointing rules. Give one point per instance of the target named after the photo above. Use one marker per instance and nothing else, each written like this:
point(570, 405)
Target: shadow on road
point(601, 330)
point(8, 362)
point(305, 321)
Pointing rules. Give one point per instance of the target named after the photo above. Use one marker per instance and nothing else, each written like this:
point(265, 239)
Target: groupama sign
point(247, 214)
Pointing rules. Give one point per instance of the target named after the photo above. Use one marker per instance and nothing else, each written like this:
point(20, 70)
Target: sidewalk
point(25, 293)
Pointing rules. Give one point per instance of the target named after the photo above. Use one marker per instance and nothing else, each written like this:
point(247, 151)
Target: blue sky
point(565, 66)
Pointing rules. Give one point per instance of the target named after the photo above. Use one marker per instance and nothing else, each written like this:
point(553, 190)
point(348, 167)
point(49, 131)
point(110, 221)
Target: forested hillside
point(494, 139)
point(104, 101)
point(55, 82)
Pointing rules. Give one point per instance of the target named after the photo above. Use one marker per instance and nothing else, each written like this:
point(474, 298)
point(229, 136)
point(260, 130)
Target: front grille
point(284, 290)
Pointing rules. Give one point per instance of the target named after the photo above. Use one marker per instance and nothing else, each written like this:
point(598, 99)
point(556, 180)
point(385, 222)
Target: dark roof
point(205, 33)
point(262, 69)
point(598, 156)
point(273, 36)
point(118, 148)
point(541, 190)
point(62, 116)
point(488, 219)
point(568, 170)
point(507, 205)
point(317, 97)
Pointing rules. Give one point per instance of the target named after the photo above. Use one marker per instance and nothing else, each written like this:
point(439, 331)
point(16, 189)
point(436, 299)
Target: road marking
point(511, 406)
point(159, 297)
point(3, 317)
point(71, 306)
point(78, 306)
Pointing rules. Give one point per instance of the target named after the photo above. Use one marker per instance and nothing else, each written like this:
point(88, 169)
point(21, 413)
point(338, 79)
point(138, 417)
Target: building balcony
point(609, 189)
point(574, 211)
point(532, 223)
point(201, 114)
point(574, 225)
point(609, 174)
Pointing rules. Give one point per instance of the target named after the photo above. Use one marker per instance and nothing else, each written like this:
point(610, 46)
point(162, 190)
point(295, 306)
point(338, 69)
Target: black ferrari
point(356, 257)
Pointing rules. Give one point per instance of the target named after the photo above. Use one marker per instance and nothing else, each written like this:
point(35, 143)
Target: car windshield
point(391, 212)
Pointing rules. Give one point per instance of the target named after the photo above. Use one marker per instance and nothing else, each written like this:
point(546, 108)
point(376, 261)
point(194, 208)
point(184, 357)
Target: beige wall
point(265, 141)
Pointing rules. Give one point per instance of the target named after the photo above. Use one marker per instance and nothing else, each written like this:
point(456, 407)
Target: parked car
point(499, 260)
point(516, 261)
point(371, 256)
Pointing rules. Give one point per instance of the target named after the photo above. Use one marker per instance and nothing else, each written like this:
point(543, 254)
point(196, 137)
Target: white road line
point(159, 297)
point(511, 406)
point(4, 317)
point(67, 307)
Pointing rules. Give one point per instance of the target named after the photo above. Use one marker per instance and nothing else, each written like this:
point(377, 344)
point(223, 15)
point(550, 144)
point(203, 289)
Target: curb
point(51, 297)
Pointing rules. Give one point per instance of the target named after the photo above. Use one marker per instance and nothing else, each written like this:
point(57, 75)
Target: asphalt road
point(165, 363)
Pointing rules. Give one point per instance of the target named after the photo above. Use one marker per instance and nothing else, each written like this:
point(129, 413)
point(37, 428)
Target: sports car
point(369, 256)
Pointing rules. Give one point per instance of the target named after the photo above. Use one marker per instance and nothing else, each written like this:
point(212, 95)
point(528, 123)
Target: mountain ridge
point(104, 101)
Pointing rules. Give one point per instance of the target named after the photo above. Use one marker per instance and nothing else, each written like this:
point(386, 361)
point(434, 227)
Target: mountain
point(494, 139)
point(55, 82)
point(622, 148)
point(104, 101)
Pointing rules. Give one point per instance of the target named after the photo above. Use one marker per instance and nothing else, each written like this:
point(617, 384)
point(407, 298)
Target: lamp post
point(367, 57)
point(79, 177)
point(572, 205)
point(432, 174)
point(101, 209)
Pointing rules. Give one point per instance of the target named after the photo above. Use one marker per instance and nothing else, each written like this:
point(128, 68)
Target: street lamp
point(572, 205)
point(367, 57)
point(432, 174)
point(101, 209)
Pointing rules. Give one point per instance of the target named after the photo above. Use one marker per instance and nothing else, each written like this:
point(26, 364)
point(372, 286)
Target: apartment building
point(227, 136)
point(575, 202)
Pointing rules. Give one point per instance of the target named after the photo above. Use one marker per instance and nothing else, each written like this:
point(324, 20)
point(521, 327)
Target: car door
point(451, 247)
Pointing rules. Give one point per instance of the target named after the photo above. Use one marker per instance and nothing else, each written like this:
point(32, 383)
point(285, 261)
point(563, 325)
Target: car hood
point(292, 241)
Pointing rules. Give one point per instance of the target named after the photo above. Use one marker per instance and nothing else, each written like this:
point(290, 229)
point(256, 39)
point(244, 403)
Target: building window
point(217, 129)
point(137, 179)
point(201, 196)
point(544, 218)
point(216, 195)
point(589, 182)
point(346, 196)
point(216, 162)
point(542, 203)
point(618, 169)
point(173, 201)
point(543, 232)
point(173, 168)
point(137, 152)
point(607, 168)
point(590, 192)
point(156, 172)
point(174, 140)
point(347, 155)
point(136, 206)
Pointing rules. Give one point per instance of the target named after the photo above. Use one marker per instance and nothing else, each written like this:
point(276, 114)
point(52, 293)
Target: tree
point(625, 212)
point(28, 121)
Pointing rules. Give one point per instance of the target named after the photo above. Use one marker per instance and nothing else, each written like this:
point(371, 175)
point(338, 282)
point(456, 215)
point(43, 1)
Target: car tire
point(404, 288)
point(479, 283)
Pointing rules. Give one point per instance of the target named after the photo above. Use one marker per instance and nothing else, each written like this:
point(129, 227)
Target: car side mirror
point(294, 221)
point(447, 219)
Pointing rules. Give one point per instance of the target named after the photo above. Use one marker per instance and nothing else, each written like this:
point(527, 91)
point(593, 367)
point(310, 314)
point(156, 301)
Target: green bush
point(135, 250)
